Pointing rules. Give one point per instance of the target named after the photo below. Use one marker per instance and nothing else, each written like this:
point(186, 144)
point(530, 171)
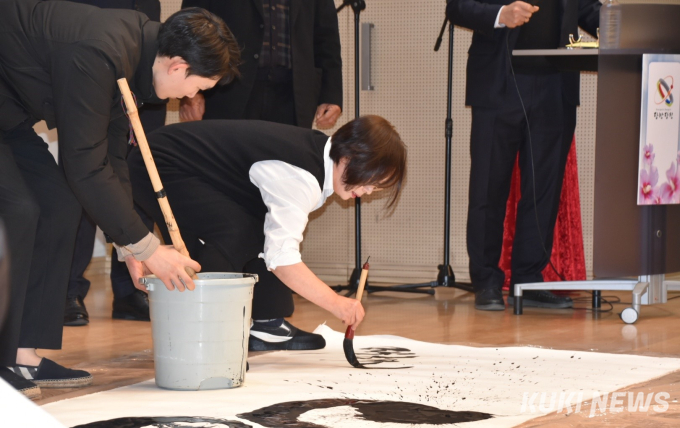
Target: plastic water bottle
point(610, 25)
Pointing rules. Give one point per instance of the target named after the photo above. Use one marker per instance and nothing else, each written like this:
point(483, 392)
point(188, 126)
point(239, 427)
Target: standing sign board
point(659, 175)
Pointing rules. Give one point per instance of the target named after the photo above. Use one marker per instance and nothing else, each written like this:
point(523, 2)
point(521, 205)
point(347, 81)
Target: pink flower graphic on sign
point(648, 154)
point(648, 181)
point(670, 191)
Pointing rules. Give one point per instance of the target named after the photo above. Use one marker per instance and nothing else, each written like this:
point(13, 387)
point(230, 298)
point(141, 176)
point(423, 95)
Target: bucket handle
point(252, 275)
point(149, 285)
point(145, 282)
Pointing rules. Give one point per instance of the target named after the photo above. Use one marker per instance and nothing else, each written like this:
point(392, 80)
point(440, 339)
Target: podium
point(642, 242)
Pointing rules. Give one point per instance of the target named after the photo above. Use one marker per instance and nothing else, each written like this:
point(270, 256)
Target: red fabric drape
point(567, 253)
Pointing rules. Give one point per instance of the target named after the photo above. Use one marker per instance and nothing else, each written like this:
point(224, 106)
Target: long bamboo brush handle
point(170, 222)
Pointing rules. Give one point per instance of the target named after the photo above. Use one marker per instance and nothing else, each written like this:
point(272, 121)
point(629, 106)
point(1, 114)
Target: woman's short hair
point(204, 41)
point(375, 152)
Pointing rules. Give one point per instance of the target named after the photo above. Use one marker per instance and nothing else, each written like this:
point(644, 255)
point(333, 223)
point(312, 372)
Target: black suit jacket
point(59, 61)
point(488, 59)
point(150, 8)
point(315, 52)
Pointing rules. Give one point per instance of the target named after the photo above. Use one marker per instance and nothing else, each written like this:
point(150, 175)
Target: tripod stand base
point(446, 278)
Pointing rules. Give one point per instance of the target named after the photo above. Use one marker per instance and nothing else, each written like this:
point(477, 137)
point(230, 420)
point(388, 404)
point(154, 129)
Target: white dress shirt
point(290, 194)
point(497, 24)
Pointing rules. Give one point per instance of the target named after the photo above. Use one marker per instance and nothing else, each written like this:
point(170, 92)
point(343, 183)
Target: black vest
point(221, 152)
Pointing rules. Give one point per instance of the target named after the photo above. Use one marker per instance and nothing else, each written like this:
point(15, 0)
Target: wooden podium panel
point(629, 240)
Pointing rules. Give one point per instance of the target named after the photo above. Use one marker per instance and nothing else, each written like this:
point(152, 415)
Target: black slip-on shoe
point(21, 384)
point(489, 299)
point(51, 375)
point(76, 313)
point(264, 337)
point(133, 307)
point(543, 299)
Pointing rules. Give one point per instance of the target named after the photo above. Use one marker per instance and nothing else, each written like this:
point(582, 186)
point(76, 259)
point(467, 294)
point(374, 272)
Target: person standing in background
point(291, 70)
point(519, 106)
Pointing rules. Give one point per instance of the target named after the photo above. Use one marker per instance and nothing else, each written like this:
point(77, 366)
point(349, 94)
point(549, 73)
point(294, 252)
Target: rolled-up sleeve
point(290, 194)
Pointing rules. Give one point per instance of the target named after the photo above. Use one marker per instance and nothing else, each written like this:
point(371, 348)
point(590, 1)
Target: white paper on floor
point(454, 378)
point(17, 411)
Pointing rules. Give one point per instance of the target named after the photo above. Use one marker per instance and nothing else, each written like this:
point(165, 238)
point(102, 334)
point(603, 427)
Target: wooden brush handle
point(349, 333)
point(362, 282)
point(170, 222)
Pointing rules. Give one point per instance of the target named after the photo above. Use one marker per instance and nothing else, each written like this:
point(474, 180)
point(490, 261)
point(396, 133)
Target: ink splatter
point(165, 422)
point(286, 414)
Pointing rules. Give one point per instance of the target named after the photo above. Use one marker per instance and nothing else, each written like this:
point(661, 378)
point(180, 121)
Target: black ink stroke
point(286, 414)
point(380, 355)
point(165, 422)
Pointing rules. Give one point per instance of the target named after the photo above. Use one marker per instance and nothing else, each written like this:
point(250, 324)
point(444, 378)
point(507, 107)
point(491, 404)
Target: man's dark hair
point(204, 41)
point(375, 152)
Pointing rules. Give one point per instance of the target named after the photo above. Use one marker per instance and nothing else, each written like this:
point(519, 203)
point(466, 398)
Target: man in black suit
point(291, 66)
point(524, 107)
point(59, 62)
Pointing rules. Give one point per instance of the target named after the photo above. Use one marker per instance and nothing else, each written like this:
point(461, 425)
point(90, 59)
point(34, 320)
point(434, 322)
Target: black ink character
point(286, 414)
point(165, 422)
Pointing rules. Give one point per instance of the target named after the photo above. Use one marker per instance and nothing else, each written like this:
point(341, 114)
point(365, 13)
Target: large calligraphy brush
point(347, 343)
point(143, 144)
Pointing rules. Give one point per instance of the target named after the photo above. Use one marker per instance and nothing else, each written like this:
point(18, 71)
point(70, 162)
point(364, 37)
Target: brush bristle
point(348, 347)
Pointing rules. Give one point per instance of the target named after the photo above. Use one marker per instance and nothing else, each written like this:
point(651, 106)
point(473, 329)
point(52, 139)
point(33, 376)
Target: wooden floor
point(117, 353)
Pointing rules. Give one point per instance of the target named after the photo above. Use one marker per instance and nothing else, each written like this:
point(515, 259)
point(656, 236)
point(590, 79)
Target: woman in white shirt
point(242, 191)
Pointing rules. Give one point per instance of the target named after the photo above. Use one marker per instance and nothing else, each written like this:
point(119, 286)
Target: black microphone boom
point(441, 35)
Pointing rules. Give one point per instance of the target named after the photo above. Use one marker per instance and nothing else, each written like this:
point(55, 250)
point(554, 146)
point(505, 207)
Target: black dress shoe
point(75, 313)
point(542, 299)
point(281, 335)
point(490, 299)
point(134, 307)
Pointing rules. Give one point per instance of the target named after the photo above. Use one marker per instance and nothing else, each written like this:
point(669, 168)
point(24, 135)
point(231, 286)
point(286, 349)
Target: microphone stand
point(445, 277)
point(357, 7)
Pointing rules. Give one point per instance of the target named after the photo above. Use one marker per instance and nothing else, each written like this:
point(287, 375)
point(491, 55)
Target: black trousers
point(41, 215)
point(499, 133)
point(233, 237)
point(272, 97)
point(78, 285)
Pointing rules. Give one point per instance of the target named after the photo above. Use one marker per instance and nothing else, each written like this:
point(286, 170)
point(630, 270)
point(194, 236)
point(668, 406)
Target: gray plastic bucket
point(200, 337)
